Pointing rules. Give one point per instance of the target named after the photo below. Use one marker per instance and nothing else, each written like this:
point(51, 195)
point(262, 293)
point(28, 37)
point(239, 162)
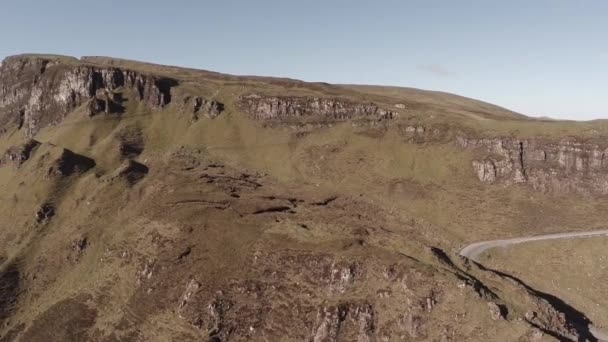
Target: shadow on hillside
point(578, 320)
point(9, 290)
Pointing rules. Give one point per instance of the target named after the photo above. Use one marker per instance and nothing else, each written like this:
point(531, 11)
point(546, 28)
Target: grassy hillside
point(230, 228)
point(574, 270)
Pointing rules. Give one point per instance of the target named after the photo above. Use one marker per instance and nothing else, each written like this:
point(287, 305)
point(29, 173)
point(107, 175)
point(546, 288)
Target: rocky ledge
point(201, 106)
point(36, 92)
point(567, 165)
point(332, 109)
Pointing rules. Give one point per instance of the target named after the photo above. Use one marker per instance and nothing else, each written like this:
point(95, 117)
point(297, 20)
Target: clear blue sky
point(539, 57)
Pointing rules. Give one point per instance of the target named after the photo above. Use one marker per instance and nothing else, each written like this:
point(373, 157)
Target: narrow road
point(474, 250)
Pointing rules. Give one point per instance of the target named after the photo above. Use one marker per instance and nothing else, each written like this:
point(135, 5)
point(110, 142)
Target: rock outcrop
point(331, 325)
point(105, 102)
point(45, 213)
point(19, 154)
point(330, 109)
point(564, 166)
point(36, 92)
point(201, 106)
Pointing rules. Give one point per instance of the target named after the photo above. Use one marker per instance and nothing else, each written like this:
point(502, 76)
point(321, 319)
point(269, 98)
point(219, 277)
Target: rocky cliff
point(36, 92)
point(561, 166)
point(327, 109)
point(201, 106)
point(552, 166)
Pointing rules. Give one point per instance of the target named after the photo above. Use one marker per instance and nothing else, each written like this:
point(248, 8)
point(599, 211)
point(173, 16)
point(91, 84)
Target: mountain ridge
point(167, 69)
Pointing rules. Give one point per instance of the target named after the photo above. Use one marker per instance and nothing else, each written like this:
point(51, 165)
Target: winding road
point(474, 250)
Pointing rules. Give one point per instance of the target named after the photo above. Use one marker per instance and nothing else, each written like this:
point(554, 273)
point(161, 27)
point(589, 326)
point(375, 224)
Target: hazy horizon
point(545, 58)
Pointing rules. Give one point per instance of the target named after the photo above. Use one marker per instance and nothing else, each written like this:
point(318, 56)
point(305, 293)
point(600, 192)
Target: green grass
point(574, 270)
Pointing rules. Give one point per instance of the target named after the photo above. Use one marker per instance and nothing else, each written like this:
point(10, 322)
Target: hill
point(143, 202)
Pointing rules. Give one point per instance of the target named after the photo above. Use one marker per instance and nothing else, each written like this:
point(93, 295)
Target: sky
point(537, 57)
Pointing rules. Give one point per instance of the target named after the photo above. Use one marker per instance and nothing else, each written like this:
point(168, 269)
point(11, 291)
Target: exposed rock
point(548, 166)
point(191, 289)
point(550, 315)
point(419, 134)
point(19, 154)
point(79, 245)
point(430, 303)
point(496, 311)
point(217, 310)
point(96, 106)
point(530, 315)
point(334, 269)
point(285, 107)
point(536, 334)
point(332, 323)
point(45, 213)
point(44, 92)
point(412, 324)
point(145, 273)
point(342, 276)
point(414, 129)
point(486, 170)
point(200, 106)
point(328, 324)
point(106, 102)
point(365, 317)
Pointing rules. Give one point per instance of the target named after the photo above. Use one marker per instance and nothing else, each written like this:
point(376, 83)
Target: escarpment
point(555, 166)
point(304, 212)
point(278, 108)
point(36, 92)
point(562, 166)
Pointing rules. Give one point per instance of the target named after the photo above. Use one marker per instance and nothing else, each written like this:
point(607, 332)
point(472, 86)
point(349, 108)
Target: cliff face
point(201, 106)
point(288, 107)
point(38, 92)
point(560, 166)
